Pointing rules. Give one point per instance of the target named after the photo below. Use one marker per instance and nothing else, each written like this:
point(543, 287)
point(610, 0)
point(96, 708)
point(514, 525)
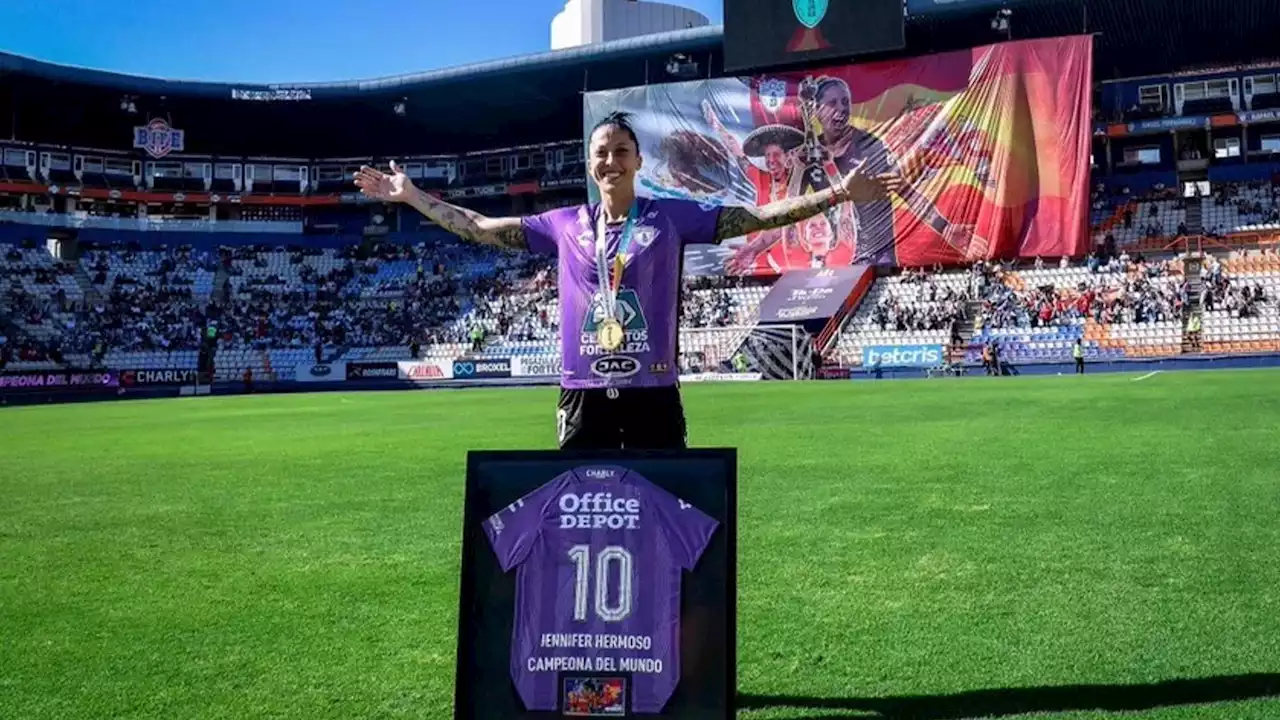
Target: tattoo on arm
point(739, 221)
point(505, 232)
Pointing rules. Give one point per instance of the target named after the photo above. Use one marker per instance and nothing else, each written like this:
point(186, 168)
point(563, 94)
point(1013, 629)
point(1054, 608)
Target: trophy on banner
point(598, 585)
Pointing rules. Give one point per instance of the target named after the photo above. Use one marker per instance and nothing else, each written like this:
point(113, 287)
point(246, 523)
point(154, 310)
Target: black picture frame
point(704, 477)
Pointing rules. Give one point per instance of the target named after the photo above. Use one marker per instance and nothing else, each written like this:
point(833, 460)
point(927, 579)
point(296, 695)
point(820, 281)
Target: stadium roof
point(535, 98)
point(1136, 37)
point(581, 58)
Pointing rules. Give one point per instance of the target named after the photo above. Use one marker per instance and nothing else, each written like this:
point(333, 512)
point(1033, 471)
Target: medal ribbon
point(611, 283)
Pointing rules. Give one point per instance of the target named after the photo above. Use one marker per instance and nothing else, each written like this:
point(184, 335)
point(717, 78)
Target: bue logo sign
point(158, 138)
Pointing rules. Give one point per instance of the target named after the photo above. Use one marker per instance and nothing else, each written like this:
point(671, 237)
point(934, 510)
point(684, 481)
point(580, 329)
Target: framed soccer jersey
point(598, 584)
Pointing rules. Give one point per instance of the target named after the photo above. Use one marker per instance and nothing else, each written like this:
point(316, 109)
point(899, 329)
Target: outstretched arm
point(738, 221)
point(505, 232)
point(853, 187)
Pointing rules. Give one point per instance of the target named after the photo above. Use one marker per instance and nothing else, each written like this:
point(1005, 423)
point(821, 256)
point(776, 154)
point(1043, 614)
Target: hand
point(859, 188)
point(743, 260)
point(378, 185)
point(894, 183)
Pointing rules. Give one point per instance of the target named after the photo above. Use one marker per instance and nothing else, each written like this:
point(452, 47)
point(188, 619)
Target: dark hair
point(826, 83)
point(620, 120)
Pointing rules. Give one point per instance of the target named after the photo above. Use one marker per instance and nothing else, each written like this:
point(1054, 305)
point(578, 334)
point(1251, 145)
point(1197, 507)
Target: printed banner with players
point(992, 145)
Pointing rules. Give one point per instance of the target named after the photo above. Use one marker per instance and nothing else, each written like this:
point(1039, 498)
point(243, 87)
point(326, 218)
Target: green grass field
point(930, 549)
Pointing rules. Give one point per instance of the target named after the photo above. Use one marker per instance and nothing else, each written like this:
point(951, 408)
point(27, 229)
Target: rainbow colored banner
point(992, 145)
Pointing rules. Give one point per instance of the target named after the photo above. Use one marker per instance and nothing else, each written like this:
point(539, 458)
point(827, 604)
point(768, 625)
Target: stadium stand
point(281, 258)
point(1123, 308)
point(1241, 302)
point(914, 308)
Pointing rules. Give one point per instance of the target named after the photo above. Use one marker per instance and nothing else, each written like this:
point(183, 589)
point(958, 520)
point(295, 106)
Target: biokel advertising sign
point(139, 378)
point(372, 371)
point(480, 369)
point(321, 372)
point(922, 356)
point(802, 295)
point(536, 366)
point(423, 370)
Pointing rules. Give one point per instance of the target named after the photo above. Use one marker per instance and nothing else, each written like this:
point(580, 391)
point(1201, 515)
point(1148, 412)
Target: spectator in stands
point(1194, 327)
point(618, 390)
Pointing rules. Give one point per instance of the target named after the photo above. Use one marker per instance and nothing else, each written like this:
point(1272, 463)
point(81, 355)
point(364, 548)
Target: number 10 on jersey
point(620, 608)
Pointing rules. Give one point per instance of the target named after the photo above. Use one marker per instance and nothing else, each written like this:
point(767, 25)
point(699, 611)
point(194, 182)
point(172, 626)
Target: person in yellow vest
point(1077, 351)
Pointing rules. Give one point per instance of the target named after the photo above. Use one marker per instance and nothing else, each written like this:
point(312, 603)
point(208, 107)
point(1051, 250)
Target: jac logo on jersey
point(615, 366)
point(597, 511)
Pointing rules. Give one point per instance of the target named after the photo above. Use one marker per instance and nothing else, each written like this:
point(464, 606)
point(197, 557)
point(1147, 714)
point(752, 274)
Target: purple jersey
point(600, 551)
point(649, 299)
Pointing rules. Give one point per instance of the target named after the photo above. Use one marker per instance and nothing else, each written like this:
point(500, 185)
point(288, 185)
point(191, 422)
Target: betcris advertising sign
point(888, 356)
point(481, 369)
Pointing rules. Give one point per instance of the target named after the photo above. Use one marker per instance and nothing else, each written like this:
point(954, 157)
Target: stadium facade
point(109, 168)
point(587, 22)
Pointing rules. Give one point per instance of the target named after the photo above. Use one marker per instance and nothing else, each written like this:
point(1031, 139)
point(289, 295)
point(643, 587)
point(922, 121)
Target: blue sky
point(280, 40)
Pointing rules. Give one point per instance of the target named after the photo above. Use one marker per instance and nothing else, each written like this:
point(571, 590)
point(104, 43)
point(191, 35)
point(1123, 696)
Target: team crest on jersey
point(644, 236)
point(773, 92)
point(632, 316)
point(158, 138)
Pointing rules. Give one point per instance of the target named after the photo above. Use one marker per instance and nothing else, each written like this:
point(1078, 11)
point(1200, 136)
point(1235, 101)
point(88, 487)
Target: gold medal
point(610, 334)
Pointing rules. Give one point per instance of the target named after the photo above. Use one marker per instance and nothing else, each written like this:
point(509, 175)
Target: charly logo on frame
point(809, 12)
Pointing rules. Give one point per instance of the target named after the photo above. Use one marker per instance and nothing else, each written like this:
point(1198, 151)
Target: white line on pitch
point(1150, 374)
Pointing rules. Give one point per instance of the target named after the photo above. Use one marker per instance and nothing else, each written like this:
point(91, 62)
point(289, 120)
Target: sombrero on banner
point(784, 136)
